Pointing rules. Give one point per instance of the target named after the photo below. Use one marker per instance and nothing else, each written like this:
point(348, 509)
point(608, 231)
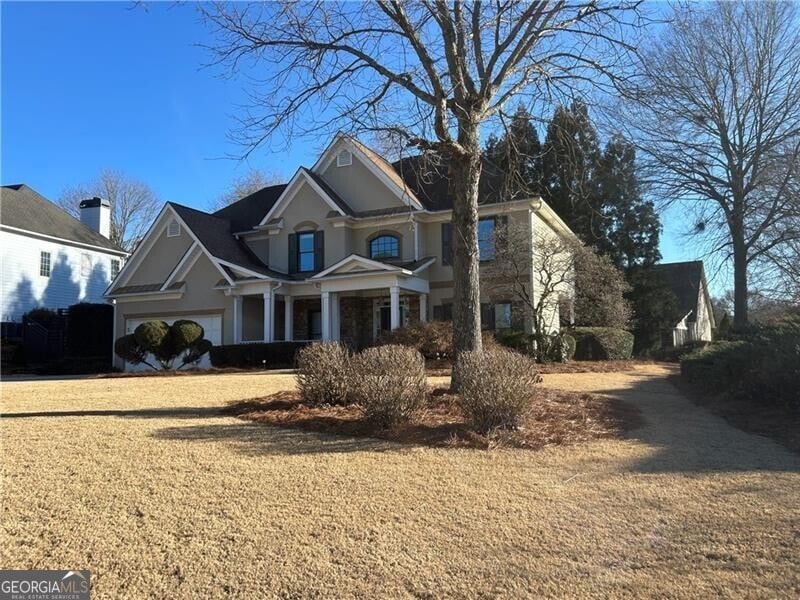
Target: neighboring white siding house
point(49, 258)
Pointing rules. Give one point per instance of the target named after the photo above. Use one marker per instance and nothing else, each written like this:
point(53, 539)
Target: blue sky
point(87, 86)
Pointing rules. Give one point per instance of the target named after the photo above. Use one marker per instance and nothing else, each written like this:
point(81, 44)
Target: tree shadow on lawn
point(187, 412)
point(686, 438)
point(255, 439)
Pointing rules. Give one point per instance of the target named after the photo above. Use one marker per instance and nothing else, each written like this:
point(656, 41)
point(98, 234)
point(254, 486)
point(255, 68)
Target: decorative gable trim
point(184, 265)
point(355, 260)
point(300, 177)
point(344, 142)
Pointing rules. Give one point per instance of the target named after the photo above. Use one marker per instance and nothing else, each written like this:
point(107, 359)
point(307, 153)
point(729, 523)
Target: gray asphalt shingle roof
point(24, 208)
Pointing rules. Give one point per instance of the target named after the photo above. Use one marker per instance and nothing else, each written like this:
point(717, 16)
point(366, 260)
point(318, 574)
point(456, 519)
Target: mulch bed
point(556, 418)
point(442, 368)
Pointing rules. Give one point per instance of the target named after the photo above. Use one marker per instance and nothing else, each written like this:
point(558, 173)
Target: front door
point(382, 316)
point(315, 324)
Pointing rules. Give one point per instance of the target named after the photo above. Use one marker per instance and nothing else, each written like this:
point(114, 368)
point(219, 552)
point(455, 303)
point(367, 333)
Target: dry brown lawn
point(144, 482)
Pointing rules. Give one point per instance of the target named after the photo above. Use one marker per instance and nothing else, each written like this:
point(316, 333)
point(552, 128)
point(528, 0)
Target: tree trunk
point(465, 173)
point(740, 318)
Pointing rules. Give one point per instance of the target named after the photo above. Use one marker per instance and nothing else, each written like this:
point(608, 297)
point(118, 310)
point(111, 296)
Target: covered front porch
point(353, 306)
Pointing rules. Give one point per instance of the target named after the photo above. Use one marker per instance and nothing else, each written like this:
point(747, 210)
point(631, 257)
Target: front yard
point(146, 482)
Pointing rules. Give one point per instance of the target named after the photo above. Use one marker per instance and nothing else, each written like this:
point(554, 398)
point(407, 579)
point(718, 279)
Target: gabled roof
point(24, 208)
point(215, 235)
point(370, 265)
point(246, 213)
point(684, 279)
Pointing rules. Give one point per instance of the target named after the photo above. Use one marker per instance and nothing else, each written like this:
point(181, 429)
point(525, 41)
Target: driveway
point(146, 484)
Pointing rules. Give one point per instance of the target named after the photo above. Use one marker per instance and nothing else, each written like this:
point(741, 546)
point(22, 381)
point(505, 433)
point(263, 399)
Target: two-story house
point(49, 258)
point(347, 249)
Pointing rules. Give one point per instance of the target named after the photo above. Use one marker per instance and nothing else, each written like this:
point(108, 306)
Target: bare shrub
point(389, 383)
point(323, 373)
point(497, 388)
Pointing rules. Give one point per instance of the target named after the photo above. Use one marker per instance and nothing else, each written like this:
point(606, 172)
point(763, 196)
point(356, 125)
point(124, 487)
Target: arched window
point(384, 246)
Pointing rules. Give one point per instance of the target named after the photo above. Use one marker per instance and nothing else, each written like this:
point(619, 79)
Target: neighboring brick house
point(49, 258)
point(348, 248)
point(687, 280)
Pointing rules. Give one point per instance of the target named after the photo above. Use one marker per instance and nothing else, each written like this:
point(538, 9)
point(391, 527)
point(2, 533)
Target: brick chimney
point(96, 213)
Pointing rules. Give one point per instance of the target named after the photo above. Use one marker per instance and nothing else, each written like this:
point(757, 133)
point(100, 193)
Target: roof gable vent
point(174, 228)
point(344, 158)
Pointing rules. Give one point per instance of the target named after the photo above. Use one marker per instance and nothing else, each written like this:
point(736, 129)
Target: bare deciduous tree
point(427, 73)
point(244, 185)
point(716, 113)
point(134, 205)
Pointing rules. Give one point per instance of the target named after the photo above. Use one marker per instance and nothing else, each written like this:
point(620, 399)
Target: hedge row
point(268, 356)
point(602, 343)
point(763, 365)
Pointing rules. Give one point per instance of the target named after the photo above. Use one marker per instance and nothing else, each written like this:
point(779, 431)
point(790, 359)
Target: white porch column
point(288, 318)
point(423, 307)
point(335, 321)
point(268, 316)
point(237, 319)
point(326, 316)
point(394, 306)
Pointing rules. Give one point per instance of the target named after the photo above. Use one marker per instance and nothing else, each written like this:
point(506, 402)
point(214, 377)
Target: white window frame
point(344, 158)
point(173, 228)
point(45, 258)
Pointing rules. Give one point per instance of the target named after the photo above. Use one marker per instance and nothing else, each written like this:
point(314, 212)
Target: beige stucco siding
point(359, 187)
point(161, 259)
point(200, 297)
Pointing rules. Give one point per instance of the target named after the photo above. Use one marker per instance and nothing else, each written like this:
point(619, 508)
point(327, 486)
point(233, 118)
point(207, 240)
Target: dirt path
point(687, 436)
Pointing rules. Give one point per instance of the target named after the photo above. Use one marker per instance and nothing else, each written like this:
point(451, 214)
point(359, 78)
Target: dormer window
point(174, 228)
point(344, 158)
point(384, 246)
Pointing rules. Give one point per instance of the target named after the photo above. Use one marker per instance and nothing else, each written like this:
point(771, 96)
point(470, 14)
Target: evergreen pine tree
point(514, 161)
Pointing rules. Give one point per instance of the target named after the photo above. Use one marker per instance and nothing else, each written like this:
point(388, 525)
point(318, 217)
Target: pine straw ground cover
point(146, 483)
point(442, 368)
point(555, 418)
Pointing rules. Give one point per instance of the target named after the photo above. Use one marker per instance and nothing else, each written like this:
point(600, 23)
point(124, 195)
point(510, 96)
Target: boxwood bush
point(602, 343)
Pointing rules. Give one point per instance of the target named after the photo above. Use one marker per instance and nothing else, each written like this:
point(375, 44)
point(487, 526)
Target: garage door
point(212, 324)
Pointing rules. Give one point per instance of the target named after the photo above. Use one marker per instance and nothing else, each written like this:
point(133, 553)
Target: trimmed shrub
point(434, 339)
point(602, 343)
point(717, 367)
point(389, 383)
point(556, 347)
point(153, 337)
point(323, 374)
point(44, 316)
point(129, 350)
point(166, 343)
point(276, 355)
point(497, 388)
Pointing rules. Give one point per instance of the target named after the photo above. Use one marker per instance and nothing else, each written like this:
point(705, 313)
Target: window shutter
point(292, 253)
point(447, 243)
point(319, 250)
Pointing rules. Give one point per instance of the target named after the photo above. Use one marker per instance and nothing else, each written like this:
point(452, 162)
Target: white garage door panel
point(211, 324)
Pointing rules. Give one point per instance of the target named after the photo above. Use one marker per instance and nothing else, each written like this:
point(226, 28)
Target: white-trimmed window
point(86, 264)
point(174, 228)
point(44, 264)
point(344, 158)
point(114, 268)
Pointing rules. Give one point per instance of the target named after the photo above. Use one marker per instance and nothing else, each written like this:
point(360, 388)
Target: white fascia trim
point(328, 156)
point(241, 269)
point(66, 242)
point(357, 259)
point(189, 258)
point(424, 265)
point(148, 296)
point(141, 250)
point(552, 218)
point(291, 190)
